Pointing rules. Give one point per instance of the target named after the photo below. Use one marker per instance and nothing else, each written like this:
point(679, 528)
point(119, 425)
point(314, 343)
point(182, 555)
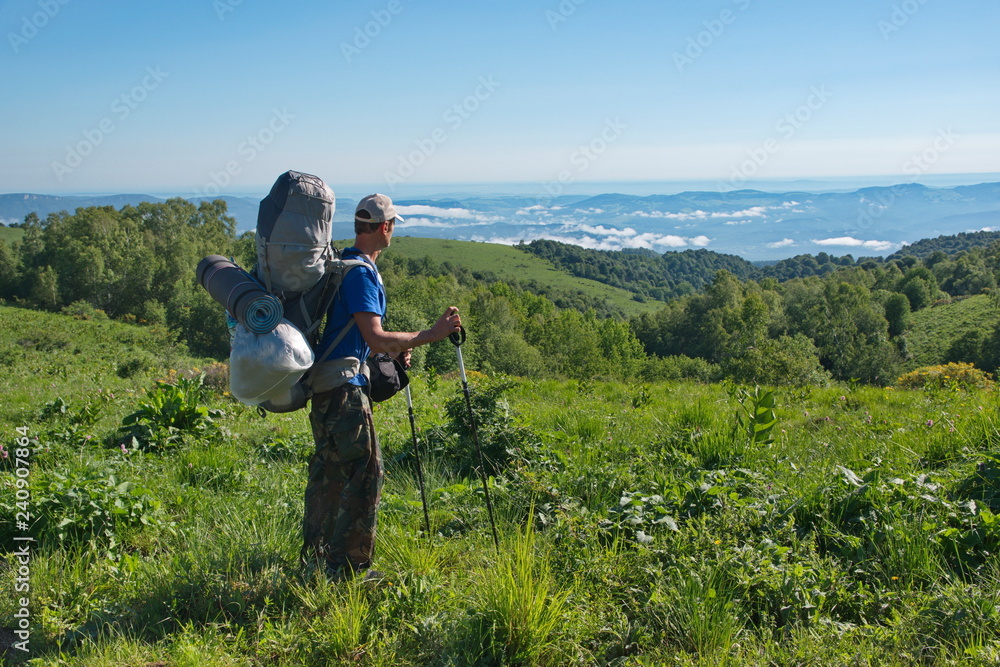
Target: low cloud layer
point(850, 241)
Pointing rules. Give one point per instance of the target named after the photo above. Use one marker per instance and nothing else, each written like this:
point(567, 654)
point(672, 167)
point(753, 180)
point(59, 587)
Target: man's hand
point(450, 322)
point(404, 358)
point(395, 343)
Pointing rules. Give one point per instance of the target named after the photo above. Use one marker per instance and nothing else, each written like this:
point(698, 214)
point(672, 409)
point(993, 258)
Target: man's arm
point(395, 342)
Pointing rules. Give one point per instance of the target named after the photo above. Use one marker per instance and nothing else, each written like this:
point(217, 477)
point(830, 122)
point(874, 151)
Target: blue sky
point(220, 96)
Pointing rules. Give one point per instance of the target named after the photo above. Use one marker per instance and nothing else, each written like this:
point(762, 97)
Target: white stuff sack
point(266, 366)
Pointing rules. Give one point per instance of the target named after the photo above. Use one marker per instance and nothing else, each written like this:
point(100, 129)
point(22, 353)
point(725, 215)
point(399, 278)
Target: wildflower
point(843, 398)
point(930, 422)
point(718, 541)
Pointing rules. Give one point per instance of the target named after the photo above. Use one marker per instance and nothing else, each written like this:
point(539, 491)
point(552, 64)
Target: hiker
point(345, 472)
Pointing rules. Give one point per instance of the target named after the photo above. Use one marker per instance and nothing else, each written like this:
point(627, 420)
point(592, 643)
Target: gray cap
point(379, 209)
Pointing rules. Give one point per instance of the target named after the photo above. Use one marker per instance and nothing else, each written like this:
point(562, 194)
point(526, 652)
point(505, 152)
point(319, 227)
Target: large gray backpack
point(294, 247)
point(296, 262)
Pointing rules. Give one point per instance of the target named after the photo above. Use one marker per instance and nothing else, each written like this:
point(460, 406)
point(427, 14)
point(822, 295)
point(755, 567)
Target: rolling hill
point(509, 264)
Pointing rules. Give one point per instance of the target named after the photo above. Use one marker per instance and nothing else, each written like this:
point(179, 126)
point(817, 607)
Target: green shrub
point(84, 310)
point(678, 367)
point(93, 506)
point(955, 376)
point(168, 413)
point(500, 438)
point(139, 362)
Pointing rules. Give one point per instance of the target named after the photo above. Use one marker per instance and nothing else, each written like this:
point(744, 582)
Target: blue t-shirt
point(361, 291)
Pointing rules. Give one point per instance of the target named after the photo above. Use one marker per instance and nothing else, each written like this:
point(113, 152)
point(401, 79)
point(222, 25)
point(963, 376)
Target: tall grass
point(521, 608)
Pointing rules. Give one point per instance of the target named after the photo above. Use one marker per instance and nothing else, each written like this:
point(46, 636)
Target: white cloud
point(449, 213)
point(438, 224)
point(694, 215)
point(601, 230)
point(599, 241)
point(752, 212)
point(783, 243)
point(537, 209)
point(879, 246)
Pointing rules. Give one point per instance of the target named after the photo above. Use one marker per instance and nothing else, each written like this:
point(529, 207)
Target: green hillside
point(45, 356)
point(935, 329)
point(510, 264)
point(11, 234)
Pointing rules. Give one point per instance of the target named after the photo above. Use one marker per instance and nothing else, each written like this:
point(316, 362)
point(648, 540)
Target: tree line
point(845, 319)
point(963, 264)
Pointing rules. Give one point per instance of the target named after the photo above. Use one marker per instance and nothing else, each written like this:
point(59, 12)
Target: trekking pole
point(416, 453)
point(458, 338)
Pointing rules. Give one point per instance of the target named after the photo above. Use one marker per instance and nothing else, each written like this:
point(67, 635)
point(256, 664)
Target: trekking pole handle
point(457, 337)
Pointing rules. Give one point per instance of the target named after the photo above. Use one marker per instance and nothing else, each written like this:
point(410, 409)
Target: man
point(345, 472)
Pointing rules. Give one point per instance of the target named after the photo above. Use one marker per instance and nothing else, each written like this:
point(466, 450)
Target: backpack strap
point(327, 301)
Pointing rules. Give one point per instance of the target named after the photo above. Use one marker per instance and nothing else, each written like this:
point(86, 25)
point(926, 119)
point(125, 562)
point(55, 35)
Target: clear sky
point(209, 96)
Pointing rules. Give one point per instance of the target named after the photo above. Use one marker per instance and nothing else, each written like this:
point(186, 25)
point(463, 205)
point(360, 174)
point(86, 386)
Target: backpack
point(298, 265)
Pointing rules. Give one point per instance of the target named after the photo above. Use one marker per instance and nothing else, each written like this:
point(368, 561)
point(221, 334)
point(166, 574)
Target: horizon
point(395, 95)
point(582, 188)
point(843, 217)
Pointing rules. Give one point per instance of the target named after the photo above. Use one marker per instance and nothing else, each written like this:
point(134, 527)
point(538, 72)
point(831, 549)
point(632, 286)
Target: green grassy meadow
point(11, 234)
point(935, 329)
point(656, 524)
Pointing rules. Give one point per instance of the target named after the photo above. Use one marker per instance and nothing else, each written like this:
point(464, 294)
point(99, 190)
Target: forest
point(804, 320)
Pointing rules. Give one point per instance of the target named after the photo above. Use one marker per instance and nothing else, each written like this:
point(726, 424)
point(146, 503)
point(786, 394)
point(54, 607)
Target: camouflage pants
point(345, 480)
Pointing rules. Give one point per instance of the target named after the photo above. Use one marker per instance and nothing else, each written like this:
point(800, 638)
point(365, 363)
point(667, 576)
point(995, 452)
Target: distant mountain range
point(753, 224)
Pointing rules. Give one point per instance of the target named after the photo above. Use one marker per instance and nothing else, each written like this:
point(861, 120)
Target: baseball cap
point(378, 207)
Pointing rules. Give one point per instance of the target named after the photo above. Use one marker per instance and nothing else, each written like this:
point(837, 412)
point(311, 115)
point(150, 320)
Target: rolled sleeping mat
point(242, 296)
